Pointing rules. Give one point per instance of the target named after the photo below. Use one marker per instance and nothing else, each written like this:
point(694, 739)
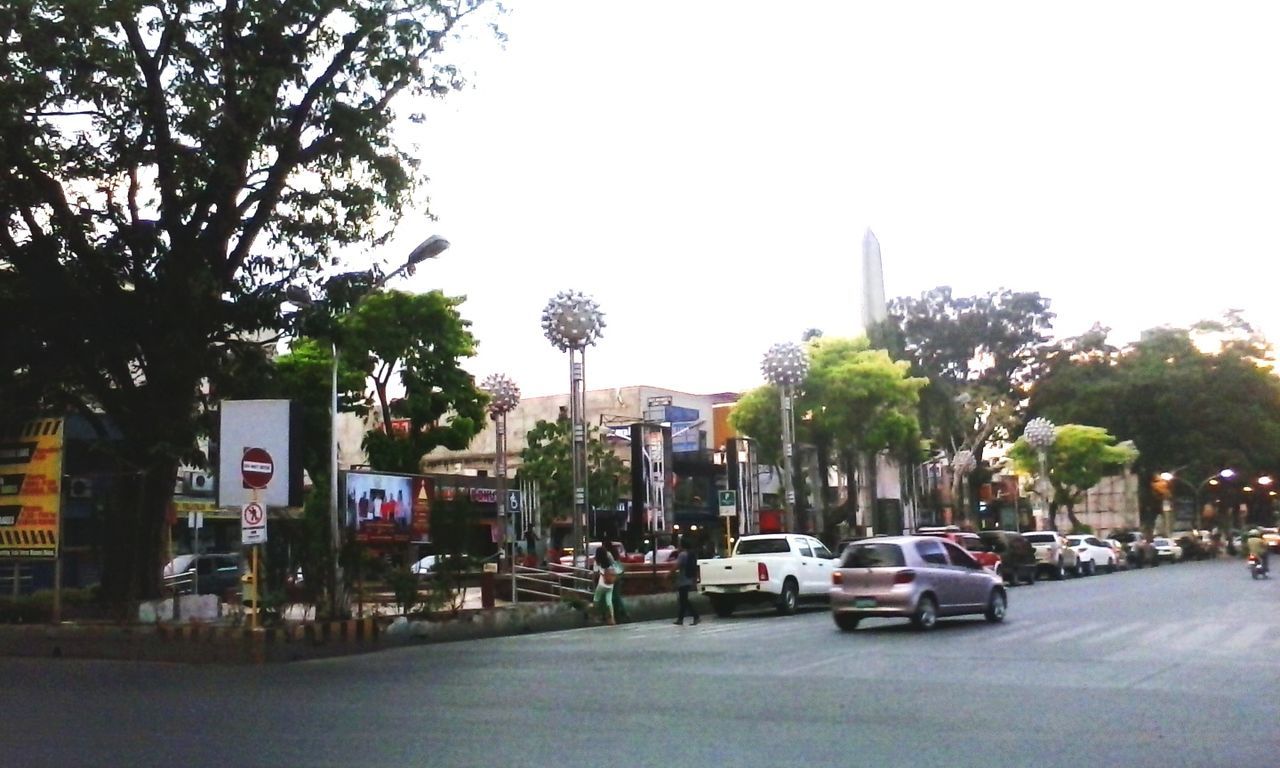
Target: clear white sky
point(706, 170)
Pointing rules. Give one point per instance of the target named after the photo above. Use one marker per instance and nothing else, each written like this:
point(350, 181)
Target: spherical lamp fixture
point(785, 364)
point(572, 320)
point(504, 395)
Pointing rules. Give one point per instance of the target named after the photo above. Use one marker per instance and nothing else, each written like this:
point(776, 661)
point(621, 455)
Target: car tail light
point(762, 571)
point(837, 577)
point(904, 577)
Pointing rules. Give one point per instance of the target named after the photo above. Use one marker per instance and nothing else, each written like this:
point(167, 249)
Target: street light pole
point(428, 249)
point(785, 366)
point(572, 321)
point(1041, 434)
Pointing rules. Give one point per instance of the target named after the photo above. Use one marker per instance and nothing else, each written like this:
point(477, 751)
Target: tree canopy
point(546, 460)
point(166, 169)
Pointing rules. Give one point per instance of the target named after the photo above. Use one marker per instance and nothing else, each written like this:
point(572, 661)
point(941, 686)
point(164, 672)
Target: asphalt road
point(1175, 666)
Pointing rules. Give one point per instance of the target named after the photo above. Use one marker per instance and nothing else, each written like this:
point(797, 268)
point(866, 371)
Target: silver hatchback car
point(917, 577)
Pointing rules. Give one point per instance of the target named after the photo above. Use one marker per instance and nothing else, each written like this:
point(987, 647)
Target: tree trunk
point(1075, 521)
point(133, 535)
point(1053, 515)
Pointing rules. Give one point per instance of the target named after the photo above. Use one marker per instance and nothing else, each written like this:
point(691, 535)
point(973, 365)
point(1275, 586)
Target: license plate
point(864, 602)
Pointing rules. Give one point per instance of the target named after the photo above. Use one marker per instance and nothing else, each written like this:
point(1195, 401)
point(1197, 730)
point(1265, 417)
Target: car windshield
point(763, 546)
point(1041, 538)
point(876, 555)
point(1161, 542)
point(975, 544)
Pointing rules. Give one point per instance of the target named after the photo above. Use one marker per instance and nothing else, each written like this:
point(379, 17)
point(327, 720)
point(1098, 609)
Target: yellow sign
point(31, 490)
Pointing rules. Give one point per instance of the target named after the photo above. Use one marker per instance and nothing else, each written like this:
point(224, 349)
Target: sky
point(706, 172)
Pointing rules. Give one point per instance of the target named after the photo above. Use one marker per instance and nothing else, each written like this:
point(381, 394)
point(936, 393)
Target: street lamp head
point(428, 249)
point(785, 364)
point(1264, 480)
point(1227, 473)
point(1166, 476)
point(504, 395)
point(572, 320)
point(298, 295)
point(1040, 433)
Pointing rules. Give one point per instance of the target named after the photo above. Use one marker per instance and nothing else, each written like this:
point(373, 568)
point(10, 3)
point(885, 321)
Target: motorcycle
point(1257, 568)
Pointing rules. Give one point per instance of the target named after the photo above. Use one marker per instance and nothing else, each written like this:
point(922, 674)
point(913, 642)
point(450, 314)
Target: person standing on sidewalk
point(686, 577)
point(619, 611)
point(605, 576)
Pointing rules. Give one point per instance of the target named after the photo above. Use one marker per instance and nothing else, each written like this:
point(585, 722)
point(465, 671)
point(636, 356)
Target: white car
point(592, 547)
point(1092, 554)
point(665, 555)
point(1167, 549)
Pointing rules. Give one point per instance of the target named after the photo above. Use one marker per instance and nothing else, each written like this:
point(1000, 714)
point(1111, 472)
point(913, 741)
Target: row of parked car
point(1021, 558)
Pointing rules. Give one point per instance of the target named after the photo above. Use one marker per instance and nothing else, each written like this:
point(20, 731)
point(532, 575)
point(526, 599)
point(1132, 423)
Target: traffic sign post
point(728, 501)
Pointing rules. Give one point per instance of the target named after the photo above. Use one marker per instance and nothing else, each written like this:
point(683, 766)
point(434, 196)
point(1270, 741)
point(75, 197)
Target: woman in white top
point(604, 584)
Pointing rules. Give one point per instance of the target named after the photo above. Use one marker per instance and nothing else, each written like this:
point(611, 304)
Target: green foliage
point(421, 339)
point(404, 585)
point(758, 415)
point(546, 460)
point(166, 170)
point(1079, 458)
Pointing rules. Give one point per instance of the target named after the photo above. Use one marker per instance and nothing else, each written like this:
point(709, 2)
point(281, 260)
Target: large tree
point(166, 168)
point(1188, 411)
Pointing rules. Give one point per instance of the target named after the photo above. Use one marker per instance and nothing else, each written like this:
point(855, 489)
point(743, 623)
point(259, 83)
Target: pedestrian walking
point(686, 577)
point(605, 576)
point(530, 541)
point(619, 610)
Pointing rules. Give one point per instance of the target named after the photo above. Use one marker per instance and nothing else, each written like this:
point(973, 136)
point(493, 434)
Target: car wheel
point(997, 605)
point(723, 605)
point(846, 622)
point(926, 614)
point(787, 600)
point(1061, 573)
point(1090, 568)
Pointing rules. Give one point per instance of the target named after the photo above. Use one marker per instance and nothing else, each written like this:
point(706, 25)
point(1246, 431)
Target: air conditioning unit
point(197, 483)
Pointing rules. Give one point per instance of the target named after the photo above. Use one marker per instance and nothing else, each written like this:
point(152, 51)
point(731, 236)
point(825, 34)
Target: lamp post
point(428, 249)
point(504, 396)
point(1041, 434)
point(963, 463)
point(785, 366)
point(1214, 479)
point(572, 321)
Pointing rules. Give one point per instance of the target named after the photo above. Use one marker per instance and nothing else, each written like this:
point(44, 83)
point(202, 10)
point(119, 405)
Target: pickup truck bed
point(779, 569)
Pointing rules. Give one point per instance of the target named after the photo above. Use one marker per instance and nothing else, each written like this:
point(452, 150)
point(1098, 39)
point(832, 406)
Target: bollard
point(488, 585)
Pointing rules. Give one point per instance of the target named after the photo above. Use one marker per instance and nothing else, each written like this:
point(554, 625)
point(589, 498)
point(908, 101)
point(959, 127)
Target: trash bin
point(488, 585)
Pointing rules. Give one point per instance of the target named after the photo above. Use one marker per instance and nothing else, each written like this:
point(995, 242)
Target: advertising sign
point(30, 490)
point(389, 509)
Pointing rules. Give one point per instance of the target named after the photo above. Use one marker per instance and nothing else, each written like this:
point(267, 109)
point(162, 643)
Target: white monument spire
point(874, 308)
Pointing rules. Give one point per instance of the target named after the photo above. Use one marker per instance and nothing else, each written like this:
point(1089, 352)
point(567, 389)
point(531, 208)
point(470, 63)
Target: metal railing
point(564, 581)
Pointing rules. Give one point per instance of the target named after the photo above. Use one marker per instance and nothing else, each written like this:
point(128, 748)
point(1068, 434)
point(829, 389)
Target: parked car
point(1092, 554)
point(213, 573)
point(981, 550)
point(1167, 549)
point(665, 555)
point(920, 578)
point(1017, 555)
point(1054, 558)
point(1122, 560)
point(1138, 551)
point(777, 569)
point(578, 561)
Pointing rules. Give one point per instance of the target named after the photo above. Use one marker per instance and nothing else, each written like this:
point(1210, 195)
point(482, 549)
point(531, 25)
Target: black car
point(1017, 556)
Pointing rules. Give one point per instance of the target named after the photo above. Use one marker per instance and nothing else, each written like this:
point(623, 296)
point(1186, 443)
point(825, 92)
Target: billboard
point(251, 426)
point(388, 509)
point(31, 490)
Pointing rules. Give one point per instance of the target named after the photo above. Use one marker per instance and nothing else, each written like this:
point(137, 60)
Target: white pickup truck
point(777, 568)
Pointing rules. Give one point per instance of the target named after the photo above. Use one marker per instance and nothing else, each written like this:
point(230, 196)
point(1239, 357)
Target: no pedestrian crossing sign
point(728, 503)
point(253, 523)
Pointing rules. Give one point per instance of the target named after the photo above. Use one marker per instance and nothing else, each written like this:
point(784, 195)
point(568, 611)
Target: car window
point(931, 551)
point(1094, 542)
point(204, 566)
point(805, 550)
point(974, 544)
point(820, 550)
point(960, 557)
point(769, 546)
point(1041, 538)
point(872, 555)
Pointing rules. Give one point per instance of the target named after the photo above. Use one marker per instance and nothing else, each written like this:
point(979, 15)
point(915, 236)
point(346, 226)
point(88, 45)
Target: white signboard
point(728, 503)
point(250, 430)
